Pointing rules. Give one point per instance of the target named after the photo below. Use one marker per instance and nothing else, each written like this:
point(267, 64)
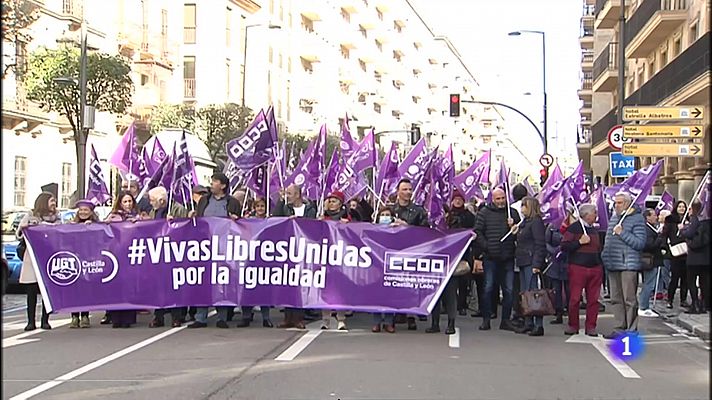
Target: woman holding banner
point(388, 320)
point(85, 215)
point(125, 209)
point(44, 212)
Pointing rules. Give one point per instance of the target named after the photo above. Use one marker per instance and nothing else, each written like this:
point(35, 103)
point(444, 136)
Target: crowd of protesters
point(513, 251)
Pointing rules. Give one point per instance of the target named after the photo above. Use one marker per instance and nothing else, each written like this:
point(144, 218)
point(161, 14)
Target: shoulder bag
point(678, 250)
point(537, 302)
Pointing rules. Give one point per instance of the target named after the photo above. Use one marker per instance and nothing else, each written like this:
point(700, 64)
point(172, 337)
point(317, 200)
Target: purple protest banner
point(665, 203)
point(639, 185)
point(255, 147)
point(599, 200)
point(347, 143)
point(276, 261)
point(477, 173)
point(704, 196)
point(97, 192)
point(388, 172)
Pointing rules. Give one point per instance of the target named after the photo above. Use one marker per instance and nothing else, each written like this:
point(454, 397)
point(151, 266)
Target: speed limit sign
point(615, 137)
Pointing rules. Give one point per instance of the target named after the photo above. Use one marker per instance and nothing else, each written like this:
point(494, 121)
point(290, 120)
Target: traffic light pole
point(494, 103)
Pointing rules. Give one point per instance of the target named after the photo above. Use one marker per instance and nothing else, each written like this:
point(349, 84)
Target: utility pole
point(621, 62)
point(83, 133)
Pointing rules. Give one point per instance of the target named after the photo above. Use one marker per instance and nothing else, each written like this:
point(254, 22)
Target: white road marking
point(619, 365)
point(94, 365)
point(20, 338)
point(293, 351)
point(9, 310)
point(454, 339)
point(601, 345)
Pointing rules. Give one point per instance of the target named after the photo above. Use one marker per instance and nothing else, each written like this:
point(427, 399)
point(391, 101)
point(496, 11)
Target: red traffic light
point(455, 98)
point(543, 172)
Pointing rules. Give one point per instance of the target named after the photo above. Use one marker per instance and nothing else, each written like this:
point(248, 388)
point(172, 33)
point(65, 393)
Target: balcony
point(607, 13)
point(159, 50)
point(651, 23)
point(605, 69)
point(586, 38)
point(587, 60)
point(586, 91)
point(585, 110)
point(589, 13)
point(189, 88)
point(584, 137)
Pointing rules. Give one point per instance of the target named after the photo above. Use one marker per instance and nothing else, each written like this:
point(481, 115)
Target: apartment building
point(667, 59)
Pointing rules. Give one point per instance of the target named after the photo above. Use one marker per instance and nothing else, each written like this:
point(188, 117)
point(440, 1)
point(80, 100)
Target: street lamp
point(543, 60)
point(244, 56)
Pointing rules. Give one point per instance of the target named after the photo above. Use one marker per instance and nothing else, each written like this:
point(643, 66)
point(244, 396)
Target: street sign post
point(663, 131)
point(546, 160)
point(652, 113)
point(663, 150)
point(616, 138)
point(621, 166)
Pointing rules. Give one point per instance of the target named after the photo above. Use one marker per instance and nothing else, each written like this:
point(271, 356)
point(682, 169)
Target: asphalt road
point(262, 363)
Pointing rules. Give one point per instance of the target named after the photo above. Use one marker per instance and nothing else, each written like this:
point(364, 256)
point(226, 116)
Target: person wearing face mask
point(385, 320)
point(85, 215)
point(44, 212)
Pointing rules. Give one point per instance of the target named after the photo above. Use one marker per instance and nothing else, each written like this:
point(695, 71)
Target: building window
point(228, 25)
point(694, 32)
point(397, 55)
point(164, 32)
point(377, 107)
point(380, 14)
point(189, 19)
point(363, 31)
point(66, 185)
point(398, 26)
point(377, 75)
point(677, 47)
point(189, 77)
point(227, 78)
point(640, 77)
point(651, 68)
point(20, 180)
point(663, 58)
point(362, 65)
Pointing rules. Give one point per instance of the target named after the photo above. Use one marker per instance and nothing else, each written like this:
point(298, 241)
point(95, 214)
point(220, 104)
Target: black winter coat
point(670, 235)
point(413, 214)
point(286, 210)
point(698, 243)
point(653, 248)
point(531, 243)
point(490, 227)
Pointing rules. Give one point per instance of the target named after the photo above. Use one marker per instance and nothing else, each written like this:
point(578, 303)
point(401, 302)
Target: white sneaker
point(325, 324)
point(341, 326)
point(647, 313)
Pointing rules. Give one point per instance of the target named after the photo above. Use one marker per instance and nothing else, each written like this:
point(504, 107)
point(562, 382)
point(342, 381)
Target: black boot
point(693, 308)
point(31, 307)
point(450, 327)
point(45, 319)
point(558, 319)
point(485, 324)
point(434, 327)
point(412, 326)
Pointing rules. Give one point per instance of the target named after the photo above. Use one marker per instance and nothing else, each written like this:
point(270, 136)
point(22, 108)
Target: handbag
point(463, 268)
point(678, 250)
point(537, 302)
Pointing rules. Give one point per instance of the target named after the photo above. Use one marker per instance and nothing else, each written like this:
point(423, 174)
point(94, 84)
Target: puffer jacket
point(622, 252)
point(697, 236)
point(490, 227)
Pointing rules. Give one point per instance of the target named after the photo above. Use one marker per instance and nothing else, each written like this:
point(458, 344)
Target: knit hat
point(337, 195)
point(457, 193)
point(84, 203)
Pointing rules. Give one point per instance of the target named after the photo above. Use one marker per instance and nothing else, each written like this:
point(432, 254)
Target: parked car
point(14, 263)
point(11, 220)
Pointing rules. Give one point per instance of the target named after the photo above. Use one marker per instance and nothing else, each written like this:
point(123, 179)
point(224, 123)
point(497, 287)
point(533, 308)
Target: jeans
point(201, 314)
point(388, 318)
point(646, 291)
point(529, 282)
point(502, 272)
point(664, 282)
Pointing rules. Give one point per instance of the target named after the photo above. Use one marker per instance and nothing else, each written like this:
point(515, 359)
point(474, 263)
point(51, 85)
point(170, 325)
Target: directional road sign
point(663, 131)
point(651, 113)
point(546, 160)
point(663, 150)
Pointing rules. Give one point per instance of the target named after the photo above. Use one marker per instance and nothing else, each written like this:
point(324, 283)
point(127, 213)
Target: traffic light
point(414, 134)
point(544, 175)
point(455, 105)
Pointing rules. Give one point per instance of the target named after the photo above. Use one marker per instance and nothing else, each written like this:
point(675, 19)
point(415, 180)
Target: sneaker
point(647, 313)
point(537, 332)
point(341, 326)
point(485, 325)
point(592, 333)
point(221, 324)
point(376, 328)
point(569, 331)
point(156, 323)
point(506, 325)
point(390, 328)
point(75, 323)
point(669, 305)
point(84, 322)
point(325, 324)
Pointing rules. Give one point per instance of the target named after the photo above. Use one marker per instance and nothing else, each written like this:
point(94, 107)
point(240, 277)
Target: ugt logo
point(63, 268)
point(416, 264)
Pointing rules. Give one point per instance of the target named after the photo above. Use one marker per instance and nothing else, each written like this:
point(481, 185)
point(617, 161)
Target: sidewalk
point(698, 324)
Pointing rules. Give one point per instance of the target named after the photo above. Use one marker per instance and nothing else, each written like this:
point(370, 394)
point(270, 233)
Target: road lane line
point(293, 351)
point(11, 310)
point(94, 365)
point(454, 339)
point(20, 338)
point(623, 368)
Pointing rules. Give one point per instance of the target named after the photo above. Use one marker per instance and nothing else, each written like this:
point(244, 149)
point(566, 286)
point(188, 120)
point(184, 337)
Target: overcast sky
point(509, 66)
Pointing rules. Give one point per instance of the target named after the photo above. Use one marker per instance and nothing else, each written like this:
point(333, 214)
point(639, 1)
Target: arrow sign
point(652, 113)
point(663, 150)
point(662, 131)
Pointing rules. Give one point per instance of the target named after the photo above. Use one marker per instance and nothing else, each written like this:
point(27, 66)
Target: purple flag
point(332, 170)
point(416, 164)
point(388, 172)
point(292, 163)
point(501, 181)
point(575, 185)
point(182, 182)
point(158, 154)
point(347, 144)
point(639, 185)
point(421, 191)
point(257, 181)
point(254, 147)
point(555, 177)
point(665, 202)
point(363, 157)
point(235, 175)
point(360, 262)
point(528, 186)
point(97, 192)
point(308, 173)
point(442, 174)
point(272, 125)
point(599, 200)
point(477, 173)
point(122, 153)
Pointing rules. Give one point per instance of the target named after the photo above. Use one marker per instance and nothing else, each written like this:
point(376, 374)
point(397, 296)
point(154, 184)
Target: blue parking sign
point(621, 166)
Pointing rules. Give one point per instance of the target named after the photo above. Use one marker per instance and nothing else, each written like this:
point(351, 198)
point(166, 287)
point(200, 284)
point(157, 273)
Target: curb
point(698, 329)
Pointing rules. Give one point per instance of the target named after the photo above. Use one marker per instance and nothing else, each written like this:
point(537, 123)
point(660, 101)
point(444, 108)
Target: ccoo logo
point(63, 268)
